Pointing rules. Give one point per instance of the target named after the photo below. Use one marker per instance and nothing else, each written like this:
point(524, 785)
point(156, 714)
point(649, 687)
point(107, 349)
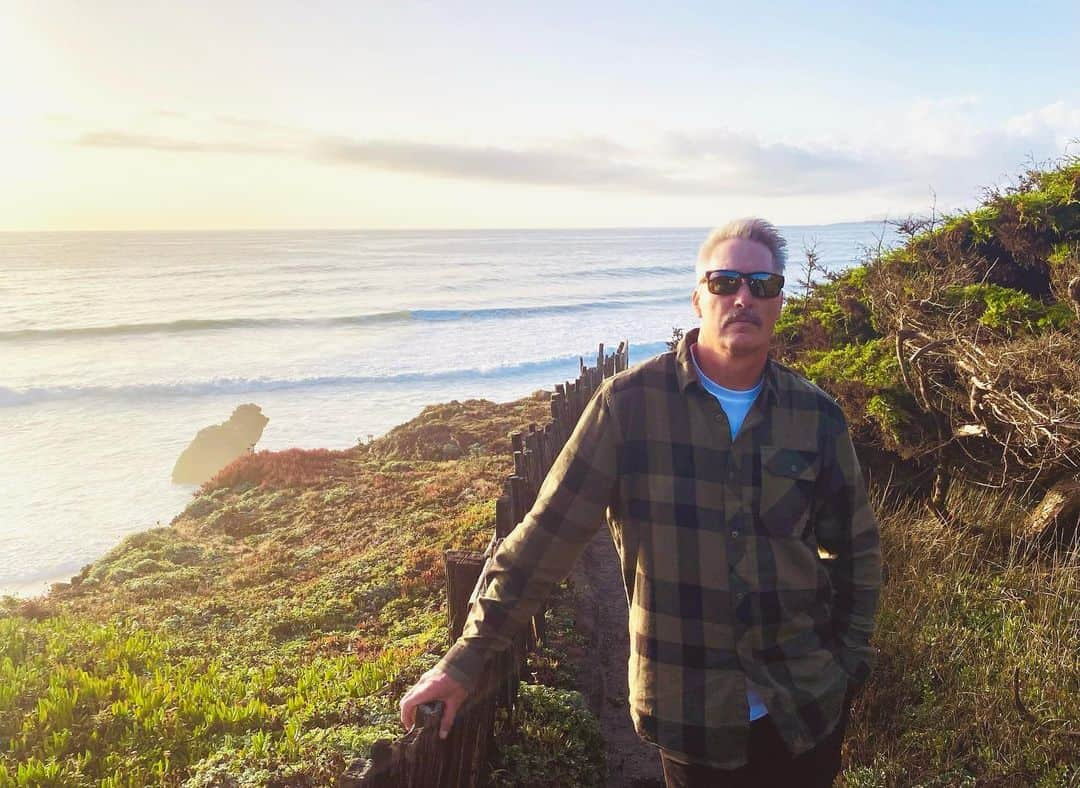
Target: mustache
point(743, 317)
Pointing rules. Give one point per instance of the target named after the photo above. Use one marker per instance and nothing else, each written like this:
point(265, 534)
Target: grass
point(967, 617)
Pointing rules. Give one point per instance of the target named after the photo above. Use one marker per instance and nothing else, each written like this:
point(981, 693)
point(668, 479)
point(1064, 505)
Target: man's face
point(738, 324)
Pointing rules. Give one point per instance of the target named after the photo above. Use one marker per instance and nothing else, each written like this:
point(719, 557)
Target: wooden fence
point(420, 759)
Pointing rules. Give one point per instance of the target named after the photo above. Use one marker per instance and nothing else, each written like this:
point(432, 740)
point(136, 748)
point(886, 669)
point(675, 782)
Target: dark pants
point(770, 764)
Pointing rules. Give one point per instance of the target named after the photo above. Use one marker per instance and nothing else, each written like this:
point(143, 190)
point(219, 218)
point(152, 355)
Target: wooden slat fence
point(419, 759)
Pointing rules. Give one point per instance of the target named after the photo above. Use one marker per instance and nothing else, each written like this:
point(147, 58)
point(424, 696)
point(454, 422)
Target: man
point(724, 477)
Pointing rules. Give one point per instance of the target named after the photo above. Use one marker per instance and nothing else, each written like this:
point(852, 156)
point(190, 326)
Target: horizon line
point(477, 228)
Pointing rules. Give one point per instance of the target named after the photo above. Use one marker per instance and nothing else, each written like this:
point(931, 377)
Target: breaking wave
point(564, 366)
point(374, 318)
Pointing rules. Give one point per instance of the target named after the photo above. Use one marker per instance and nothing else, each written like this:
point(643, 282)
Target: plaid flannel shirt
point(719, 545)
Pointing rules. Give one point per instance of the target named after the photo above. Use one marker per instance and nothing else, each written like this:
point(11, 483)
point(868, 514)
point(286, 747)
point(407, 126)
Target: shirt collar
point(686, 371)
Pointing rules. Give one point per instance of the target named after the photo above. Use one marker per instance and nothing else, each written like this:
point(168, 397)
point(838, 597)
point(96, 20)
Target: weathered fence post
point(463, 569)
point(504, 516)
point(518, 496)
point(418, 759)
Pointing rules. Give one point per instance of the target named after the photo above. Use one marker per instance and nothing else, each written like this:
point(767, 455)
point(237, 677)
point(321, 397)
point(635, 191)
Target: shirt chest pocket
point(788, 479)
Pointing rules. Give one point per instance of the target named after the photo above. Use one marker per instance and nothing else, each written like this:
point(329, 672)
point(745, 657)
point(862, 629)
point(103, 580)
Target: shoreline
point(34, 588)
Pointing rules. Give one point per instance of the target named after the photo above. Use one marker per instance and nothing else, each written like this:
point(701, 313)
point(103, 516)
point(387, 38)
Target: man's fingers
point(408, 712)
point(433, 685)
point(410, 701)
point(450, 708)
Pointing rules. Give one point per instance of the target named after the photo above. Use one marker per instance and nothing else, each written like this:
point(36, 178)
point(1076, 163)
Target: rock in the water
point(215, 447)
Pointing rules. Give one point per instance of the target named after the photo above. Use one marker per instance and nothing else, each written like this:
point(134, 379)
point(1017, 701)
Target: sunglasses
point(762, 284)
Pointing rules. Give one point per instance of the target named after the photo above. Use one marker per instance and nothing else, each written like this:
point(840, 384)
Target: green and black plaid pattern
point(719, 543)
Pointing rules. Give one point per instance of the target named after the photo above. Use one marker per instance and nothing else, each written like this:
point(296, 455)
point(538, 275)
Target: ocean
point(116, 348)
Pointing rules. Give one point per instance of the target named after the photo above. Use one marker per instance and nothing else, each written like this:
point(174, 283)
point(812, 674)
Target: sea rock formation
point(216, 446)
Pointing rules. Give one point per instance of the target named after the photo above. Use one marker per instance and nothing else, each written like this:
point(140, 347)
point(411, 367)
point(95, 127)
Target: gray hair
point(750, 229)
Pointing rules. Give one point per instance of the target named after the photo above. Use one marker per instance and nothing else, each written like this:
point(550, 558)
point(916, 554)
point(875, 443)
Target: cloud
point(593, 163)
point(714, 162)
point(929, 145)
point(1057, 122)
point(958, 156)
point(251, 124)
point(152, 142)
point(700, 163)
point(556, 166)
point(770, 168)
point(930, 128)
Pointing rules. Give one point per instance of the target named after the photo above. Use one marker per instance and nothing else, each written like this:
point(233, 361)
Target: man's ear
point(694, 302)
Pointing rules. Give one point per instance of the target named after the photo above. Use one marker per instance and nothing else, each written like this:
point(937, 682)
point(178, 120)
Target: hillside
point(955, 358)
point(265, 636)
point(957, 355)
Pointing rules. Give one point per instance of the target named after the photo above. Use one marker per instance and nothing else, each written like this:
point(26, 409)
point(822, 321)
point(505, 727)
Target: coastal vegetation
point(265, 636)
point(957, 351)
point(976, 681)
point(955, 360)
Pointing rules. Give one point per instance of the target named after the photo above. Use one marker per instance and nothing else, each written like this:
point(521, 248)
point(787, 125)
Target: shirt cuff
point(464, 664)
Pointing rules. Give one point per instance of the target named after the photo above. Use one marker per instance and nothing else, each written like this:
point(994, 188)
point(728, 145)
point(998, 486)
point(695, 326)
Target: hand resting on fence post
point(434, 686)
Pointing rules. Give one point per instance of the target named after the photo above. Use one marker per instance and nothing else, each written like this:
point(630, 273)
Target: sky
point(276, 115)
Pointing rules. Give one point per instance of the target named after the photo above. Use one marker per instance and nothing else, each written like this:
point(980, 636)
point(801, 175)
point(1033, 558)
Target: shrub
point(556, 741)
point(289, 468)
point(1011, 311)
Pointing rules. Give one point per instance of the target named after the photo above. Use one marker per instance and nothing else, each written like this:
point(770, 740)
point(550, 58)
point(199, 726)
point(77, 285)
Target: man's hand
point(434, 685)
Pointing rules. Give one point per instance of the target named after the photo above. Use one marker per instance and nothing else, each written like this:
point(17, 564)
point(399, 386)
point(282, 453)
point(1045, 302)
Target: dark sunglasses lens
point(723, 283)
point(767, 286)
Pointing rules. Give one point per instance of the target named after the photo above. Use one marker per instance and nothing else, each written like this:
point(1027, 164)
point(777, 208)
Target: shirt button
point(718, 417)
point(794, 468)
point(734, 533)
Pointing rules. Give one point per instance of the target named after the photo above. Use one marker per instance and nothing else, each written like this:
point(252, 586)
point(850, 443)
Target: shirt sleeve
point(846, 526)
point(542, 549)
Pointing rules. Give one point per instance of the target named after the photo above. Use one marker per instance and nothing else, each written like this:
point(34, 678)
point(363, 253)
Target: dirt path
point(602, 617)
